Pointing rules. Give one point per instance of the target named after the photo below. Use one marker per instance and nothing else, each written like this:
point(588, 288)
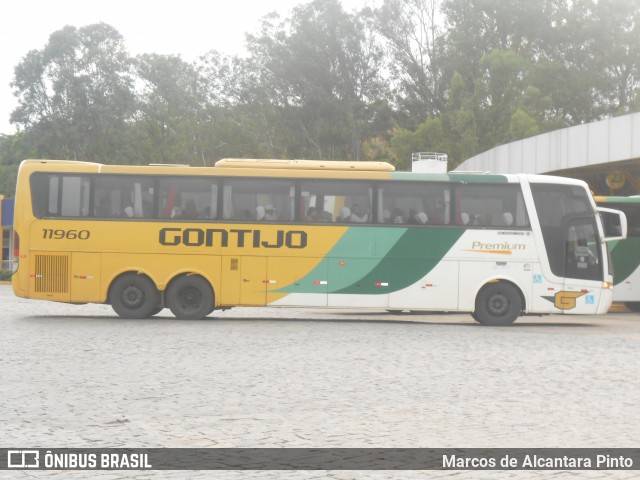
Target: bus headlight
point(607, 285)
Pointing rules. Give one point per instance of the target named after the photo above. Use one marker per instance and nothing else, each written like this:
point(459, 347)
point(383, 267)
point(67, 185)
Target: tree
point(76, 93)
point(412, 32)
point(499, 88)
point(611, 40)
point(171, 103)
point(321, 67)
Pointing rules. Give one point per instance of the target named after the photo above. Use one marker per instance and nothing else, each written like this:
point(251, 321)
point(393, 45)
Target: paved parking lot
point(78, 376)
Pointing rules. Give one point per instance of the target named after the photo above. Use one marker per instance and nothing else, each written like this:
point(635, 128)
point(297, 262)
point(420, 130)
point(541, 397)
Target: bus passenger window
point(188, 198)
point(346, 201)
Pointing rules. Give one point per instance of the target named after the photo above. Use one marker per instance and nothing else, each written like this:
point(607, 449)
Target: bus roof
point(272, 168)
point(305, 164)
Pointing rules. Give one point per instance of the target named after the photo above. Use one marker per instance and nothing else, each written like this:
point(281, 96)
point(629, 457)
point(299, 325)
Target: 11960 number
point(56, 234)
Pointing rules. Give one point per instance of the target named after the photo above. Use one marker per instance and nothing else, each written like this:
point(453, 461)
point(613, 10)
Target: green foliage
point(5, 275)
point(76, 93)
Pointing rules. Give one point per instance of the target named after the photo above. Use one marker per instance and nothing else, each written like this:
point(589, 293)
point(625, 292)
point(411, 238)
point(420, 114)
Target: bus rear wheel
point(134, 296)
point(190, 297)
point(497, 304)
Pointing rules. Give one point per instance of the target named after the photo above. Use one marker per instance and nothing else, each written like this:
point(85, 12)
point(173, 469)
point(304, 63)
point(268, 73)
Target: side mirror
point(614, 223)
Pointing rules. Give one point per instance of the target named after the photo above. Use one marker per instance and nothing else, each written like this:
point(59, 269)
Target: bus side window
point(41, 184)
point(188, 198)
point(340, 201)
point(496, 207)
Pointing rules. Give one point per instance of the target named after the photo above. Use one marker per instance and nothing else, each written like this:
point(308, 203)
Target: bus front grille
point(52, 274)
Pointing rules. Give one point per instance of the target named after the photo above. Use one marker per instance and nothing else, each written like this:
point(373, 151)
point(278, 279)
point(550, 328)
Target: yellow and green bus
point(625, 253)
point(307, 234)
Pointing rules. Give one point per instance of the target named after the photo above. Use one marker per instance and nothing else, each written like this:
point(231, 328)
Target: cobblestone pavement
point(78, 376)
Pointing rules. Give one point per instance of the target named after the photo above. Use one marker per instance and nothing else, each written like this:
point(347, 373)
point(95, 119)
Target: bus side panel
point(294, 272)
point(543, 292)
point(474, 275)
point(438, 290)
point(625, 255)
point(628, 290)
point(490, 255)
point(229, 291)
point(85, 278)
point(350, 286)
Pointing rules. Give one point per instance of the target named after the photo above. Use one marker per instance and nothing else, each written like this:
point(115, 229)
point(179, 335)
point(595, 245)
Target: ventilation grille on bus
point(52, 273)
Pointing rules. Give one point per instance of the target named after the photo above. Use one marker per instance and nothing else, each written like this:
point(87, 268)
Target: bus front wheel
point(497, 303)
point(134, 296)
point(190, 297)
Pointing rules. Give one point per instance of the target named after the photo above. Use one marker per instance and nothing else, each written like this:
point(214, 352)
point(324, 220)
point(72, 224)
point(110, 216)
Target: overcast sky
point(186, 27)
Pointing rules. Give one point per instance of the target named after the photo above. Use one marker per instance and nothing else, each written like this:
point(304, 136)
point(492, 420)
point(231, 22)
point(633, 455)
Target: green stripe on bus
point(415, 254)
point(361, 249)
point(625, 256)
point(402, 257)
point(449, 177)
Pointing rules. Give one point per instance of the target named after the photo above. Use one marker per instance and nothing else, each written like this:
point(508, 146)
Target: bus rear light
point(16, 250)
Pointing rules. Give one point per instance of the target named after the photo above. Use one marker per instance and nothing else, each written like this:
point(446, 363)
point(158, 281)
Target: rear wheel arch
point(190, 296)
point(499, 302)
point(134, 294)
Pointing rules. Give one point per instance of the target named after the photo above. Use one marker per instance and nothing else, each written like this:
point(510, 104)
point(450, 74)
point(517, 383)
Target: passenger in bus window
point(190, 211)
point(397, 216)
point(325, 217)
point(345, 215)
point(128, 211)
point(421, 218)
point(437, 213)
point(104, 208)
point(507, 219)
point(270, 214)
point(312, 214)
point(176, 212)
point(358, 215)
point(147, 209)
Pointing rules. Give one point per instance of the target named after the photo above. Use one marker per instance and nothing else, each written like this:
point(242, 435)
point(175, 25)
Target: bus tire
point(190, 297)
point(134, 296)
point(497, 304)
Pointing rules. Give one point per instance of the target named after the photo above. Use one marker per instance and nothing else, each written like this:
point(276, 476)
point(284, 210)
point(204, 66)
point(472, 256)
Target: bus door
point(575, 255)
point(583, 261)
point(243, 280)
